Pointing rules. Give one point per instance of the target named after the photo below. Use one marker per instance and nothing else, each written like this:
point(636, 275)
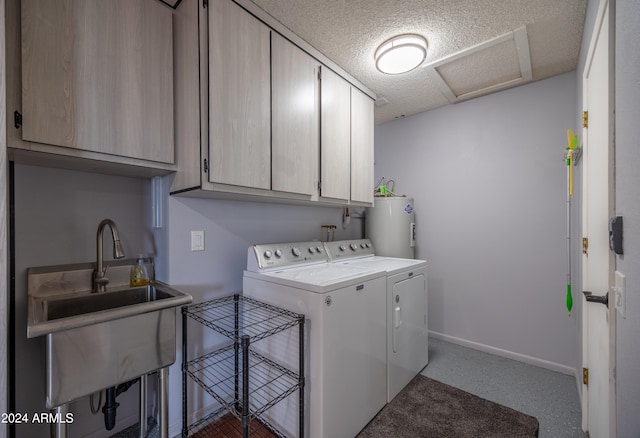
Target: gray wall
point(57, 213)
point(489, 185)
point(627, 181)
point(230, 228)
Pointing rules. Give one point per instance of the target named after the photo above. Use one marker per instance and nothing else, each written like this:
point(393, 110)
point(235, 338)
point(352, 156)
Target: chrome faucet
point(100, 279)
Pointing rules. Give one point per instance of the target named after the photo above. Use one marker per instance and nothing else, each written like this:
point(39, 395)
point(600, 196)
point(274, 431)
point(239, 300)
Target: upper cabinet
point(361, 147)
point(240, 97)
point(335, 138)
point(277, 121)
point(97, 79)
point(295, 118)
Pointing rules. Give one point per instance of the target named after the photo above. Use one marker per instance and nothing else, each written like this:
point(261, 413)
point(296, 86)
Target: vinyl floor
point(549, 396)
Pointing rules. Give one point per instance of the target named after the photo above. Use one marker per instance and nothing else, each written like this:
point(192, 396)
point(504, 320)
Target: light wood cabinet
point(98, 76)
point(361, 147)
point(335, 138)
point(346, 164)
point(240, 105)
point(295, 118)
point(271, 129)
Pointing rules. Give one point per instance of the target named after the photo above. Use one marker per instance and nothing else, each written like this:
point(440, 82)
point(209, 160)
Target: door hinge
point(205, 3)
point(319, 73)
point(585, 376)
point(585, 245)
point(585, 119)
point(17, 119)
point(206, 166)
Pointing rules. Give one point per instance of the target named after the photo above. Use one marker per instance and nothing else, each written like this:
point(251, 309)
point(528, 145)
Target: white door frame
point(604, 7)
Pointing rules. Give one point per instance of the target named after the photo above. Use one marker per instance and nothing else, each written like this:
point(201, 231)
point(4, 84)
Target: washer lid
point(319, 278)
point(391, 265)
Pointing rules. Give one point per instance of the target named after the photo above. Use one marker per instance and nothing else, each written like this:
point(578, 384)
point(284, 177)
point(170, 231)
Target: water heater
point(391, 226)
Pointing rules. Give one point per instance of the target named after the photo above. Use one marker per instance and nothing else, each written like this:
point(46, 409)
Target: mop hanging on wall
point(571, 156)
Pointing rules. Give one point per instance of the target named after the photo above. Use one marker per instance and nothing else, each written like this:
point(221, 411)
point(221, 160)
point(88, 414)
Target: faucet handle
point(100, 280)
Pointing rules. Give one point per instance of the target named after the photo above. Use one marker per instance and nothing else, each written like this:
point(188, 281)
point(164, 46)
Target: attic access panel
point(494, 65)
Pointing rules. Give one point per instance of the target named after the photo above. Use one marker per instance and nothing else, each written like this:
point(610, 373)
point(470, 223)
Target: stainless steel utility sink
point(61, 298)
point(97, 302)
point(96, 340)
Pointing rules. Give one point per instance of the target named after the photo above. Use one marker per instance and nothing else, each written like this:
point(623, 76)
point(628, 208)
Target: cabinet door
point(361, 147)
point(239, 87)
point(335, 136)
point(295, 118)
point(98, 76)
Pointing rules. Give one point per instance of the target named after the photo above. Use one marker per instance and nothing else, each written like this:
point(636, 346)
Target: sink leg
point(143, 406)
point(59, 428)
point(164, 402)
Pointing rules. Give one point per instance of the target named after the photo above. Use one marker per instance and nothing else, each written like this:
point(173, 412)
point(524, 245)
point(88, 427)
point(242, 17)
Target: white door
point(598, 409)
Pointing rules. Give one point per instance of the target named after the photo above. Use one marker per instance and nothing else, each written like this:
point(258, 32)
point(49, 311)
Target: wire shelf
point(269, 383)
point(221, 423)
point(236, 316)
point(244, 382)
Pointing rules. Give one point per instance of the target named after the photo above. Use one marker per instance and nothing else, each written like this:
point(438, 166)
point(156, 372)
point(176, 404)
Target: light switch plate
point(619, 290)
point(197, 241)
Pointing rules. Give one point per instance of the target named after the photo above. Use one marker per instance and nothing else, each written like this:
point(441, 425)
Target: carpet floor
point(427, 408)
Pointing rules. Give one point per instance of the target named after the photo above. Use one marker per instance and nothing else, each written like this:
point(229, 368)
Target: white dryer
point(345, 308)
point(406, 307)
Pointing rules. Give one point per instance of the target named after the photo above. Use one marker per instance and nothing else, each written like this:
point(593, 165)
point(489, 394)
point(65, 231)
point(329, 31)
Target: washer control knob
point(363, 245)
point(296, 251)
point(319, 249)
point(278, 253)
point(353, 247)
point(342, 248)
point(368, 245)
point(267, 254)
point(311, 250)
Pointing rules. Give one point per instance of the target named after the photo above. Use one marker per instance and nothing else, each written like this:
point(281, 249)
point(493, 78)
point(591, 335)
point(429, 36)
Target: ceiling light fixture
point(401, 54)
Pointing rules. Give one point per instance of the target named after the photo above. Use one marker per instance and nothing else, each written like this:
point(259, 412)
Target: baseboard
point(553, 366)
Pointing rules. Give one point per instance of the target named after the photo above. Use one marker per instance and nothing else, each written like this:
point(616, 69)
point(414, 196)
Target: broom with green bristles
point(568, 155)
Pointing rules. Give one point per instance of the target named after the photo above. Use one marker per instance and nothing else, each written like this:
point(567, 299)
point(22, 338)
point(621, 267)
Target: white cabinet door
point(295, 118)
point(361, 147)
point(335, 136)
point(98, 76)
point(239, 86)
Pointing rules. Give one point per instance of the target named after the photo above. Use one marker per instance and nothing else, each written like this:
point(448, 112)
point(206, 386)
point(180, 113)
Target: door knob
point(604, 299)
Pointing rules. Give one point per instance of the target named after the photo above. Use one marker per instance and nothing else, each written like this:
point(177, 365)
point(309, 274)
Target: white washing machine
point(345, 308)
point(406, 303)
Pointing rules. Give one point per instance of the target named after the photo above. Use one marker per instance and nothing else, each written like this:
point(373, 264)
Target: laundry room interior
point(484, 175)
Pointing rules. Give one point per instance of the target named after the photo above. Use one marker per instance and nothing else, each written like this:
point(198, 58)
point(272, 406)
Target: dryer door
point(407, 352)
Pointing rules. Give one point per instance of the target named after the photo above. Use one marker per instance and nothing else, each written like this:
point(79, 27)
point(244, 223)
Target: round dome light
point(401, 54)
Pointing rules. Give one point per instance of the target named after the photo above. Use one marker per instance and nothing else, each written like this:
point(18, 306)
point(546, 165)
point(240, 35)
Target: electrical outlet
point(619, 290)
point(197, 241)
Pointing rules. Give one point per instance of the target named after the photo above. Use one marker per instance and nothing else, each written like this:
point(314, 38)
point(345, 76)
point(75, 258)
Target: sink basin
point(97, 302)
point(61, 297)
point(98, 340)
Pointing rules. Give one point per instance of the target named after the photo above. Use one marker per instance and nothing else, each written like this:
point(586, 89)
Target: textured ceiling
point(349, 31)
